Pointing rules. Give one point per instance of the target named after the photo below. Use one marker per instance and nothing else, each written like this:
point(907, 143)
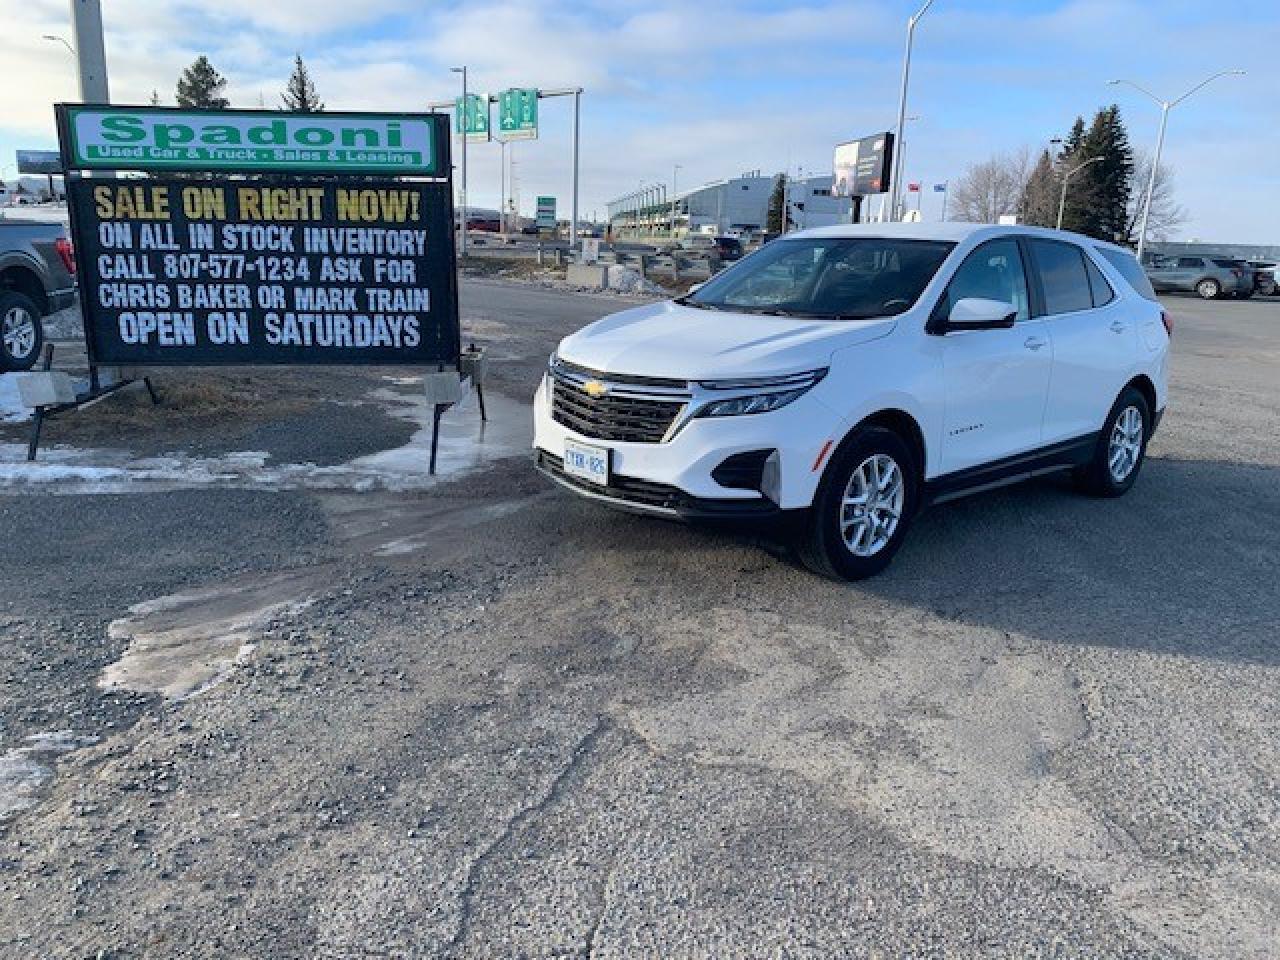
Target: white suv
point(850, 375)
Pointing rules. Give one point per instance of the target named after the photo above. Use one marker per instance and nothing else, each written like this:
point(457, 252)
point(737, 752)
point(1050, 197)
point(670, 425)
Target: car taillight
point(66, 253)
point(1167, 321)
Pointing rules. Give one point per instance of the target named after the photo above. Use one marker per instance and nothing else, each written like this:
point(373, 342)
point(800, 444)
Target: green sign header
point(472, 118)
point(149, 138)
point(518, 114)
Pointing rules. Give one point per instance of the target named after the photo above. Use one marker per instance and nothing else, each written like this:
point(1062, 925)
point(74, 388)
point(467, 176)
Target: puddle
point(25, 772)
point(185, 643)
point(466, 444)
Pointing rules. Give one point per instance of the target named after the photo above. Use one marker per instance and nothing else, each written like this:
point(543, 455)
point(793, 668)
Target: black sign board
point(290, 269)
point(863, 167)
point(39, 161)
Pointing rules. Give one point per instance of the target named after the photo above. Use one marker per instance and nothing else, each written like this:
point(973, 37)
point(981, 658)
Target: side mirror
point(979, 313)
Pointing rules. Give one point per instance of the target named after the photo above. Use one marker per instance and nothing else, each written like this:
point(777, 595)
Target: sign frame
point(442, 141)
point(436, 167)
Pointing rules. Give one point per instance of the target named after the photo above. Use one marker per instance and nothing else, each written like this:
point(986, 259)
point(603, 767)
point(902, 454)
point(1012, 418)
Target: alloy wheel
point(18, 330)
point(1125, 445)
point(871, 507)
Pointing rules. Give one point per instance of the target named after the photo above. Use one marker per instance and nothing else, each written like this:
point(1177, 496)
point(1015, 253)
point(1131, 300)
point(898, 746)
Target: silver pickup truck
point(37, 278)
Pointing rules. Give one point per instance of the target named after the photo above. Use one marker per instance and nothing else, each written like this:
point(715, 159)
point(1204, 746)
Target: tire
point(1209, 289)
point(852, 472)
point(1120, 432)
point(21, 331)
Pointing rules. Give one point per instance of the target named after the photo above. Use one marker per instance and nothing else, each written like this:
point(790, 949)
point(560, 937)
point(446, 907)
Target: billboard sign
point(472, 117)
point(863, 167)
point(546, 215)
point(39, 161)
point(518, 114)
point(297, 269)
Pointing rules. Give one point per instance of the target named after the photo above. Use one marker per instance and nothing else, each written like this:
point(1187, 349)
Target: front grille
point(630, 411)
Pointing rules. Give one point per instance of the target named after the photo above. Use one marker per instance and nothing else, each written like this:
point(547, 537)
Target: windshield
point(845, 278)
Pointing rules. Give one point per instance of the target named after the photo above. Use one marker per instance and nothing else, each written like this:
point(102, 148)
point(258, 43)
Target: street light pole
point(894, 188)
point(1165, 107)
point(1066, 177)
point(675, 175)
point(461, 120)
point(577, 113)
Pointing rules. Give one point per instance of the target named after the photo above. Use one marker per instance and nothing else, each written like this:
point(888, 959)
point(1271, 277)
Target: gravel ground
point(485, 720)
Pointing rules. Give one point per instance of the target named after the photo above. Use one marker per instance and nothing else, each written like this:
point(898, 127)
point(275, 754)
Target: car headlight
point(766, 393)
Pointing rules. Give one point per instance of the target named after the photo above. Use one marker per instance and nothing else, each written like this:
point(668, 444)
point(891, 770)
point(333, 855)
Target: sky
point(721, 87)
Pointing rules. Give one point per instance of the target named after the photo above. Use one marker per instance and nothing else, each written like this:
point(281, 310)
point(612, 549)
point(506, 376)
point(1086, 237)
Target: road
point(481, 719)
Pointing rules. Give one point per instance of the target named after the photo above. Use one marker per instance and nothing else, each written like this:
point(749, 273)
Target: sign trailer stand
point(51, 393)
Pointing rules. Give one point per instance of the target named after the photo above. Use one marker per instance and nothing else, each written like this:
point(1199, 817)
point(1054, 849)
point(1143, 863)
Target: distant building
point(735, 205)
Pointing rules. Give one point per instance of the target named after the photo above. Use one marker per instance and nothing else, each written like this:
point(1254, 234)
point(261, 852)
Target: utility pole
point(894, 189)
point(1066, 177)
point(461, 120)
point(90, 50)
point(502, 194)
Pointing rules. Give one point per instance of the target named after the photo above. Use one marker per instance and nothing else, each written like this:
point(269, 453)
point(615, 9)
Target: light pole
point(675, 176)
point(900, 161)
point(1165, 107)
point(462, 124)
point(1066, 177)
point(502, 196)
point(894, 190)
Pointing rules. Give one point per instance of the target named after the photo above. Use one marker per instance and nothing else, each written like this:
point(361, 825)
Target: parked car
point(37, 278)
point(704, 242)
point(841, 378)
point(1265, 280)
point(1210, 277)
point(728, 248)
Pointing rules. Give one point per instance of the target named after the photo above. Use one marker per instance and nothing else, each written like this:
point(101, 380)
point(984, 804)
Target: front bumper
point(657, 499)
point(678, 475)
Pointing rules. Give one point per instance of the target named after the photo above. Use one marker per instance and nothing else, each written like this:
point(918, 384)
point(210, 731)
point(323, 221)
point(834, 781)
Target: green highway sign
point(157, 138)
point(546, 213)
point(518, 114)
point(472, 118)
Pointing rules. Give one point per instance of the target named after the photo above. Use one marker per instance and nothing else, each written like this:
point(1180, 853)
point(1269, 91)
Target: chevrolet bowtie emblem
point(594, 388)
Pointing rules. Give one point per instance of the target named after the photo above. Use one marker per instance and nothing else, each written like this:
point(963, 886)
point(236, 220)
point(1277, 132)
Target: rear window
point(1229, 263)
point(1062, 276)
point(1126, 265)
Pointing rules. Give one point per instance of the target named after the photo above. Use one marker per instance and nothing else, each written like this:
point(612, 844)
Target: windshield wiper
point(699, 304)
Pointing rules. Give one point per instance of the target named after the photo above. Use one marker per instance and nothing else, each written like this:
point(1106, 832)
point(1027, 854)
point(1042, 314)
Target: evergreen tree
point(1112, 176)
point(1039, 205)
point(300, 94)
point(200, 87)
point(1078, 212)
point(777, 201)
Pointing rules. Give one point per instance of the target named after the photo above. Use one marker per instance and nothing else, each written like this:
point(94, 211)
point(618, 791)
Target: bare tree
point(992, 188)
point(1166, 213)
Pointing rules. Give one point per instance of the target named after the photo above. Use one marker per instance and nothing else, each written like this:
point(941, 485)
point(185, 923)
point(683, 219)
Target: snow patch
point(23, 778)
point(466, 445)
point(626, 280)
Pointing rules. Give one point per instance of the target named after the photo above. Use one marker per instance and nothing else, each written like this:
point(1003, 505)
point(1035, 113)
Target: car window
point(1190, 262)
point(1063, 277)
point(1229, 263)
point(1098, 285)
point(993, 272)
point(836, 277)
point(1126, 265)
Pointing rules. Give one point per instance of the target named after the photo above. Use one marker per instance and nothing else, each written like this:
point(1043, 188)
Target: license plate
point(588, 462)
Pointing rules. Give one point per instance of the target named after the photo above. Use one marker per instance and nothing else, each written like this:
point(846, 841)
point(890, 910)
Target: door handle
point(1119, 326)
point(1034, 343)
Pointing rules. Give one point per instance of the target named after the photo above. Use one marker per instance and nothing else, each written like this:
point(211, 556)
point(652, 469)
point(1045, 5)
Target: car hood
point(687, 343)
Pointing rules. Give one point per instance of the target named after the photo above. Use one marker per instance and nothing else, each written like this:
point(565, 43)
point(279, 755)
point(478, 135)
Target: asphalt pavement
point(485, 719)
